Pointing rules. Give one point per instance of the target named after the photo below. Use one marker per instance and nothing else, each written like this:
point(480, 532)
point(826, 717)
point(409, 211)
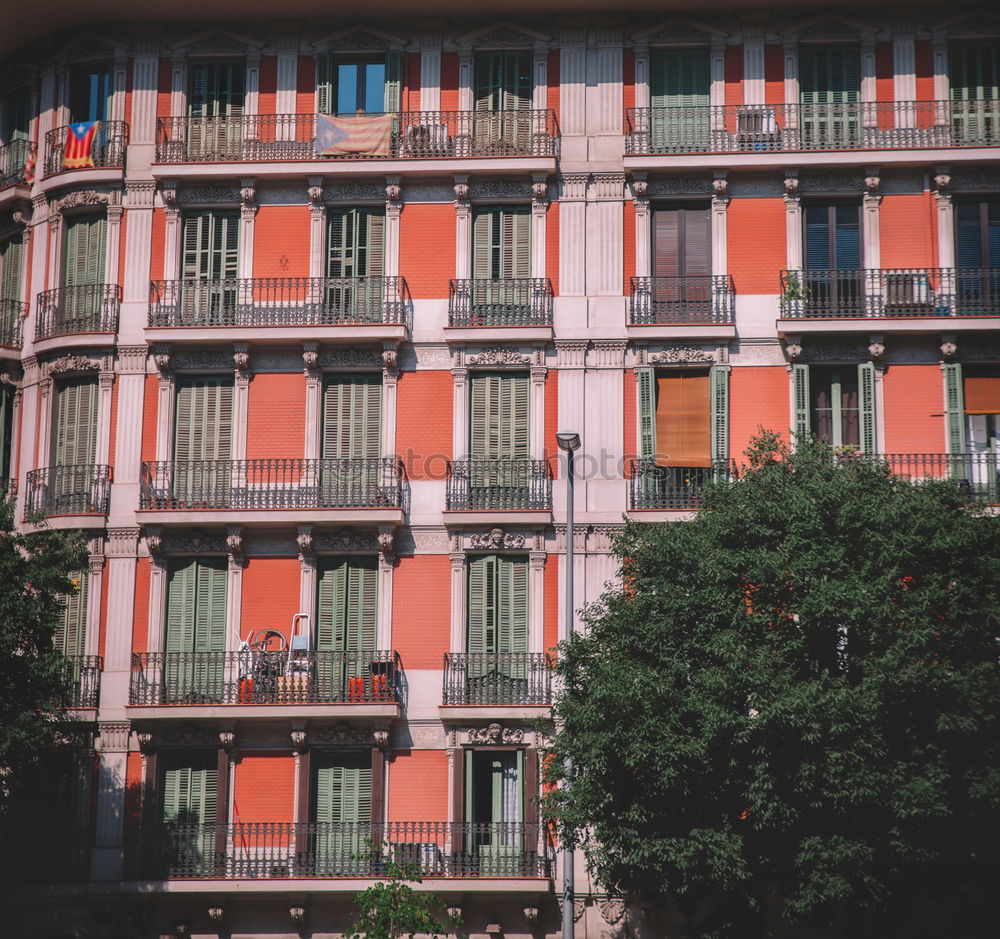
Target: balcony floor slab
point(348, 333)
point(271, 712)
point(497, 516)
point(894, 324)
point(672, 331)
point(273, 517)
point(461, 713)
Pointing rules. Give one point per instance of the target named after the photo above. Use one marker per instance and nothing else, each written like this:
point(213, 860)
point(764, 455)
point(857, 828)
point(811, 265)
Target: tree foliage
point(34, 574)
point(790, 712)
point(392, 909)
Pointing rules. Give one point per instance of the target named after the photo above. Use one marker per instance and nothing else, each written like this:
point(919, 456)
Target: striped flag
point(369, 135)
point(79, 144)
point(29, 167)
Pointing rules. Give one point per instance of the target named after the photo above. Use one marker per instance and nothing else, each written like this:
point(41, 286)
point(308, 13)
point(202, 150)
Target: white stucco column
point(540, 76)
point(317, 227)
point(138, 234)
point(383, 625)
point(314, 395)
point(643, 233)
point(145, 78)
point(307, 576)
point(251, 97)
point(105, 391)
point(536, 421)
point(536, 601)
point(460, 413)
point(165, 394)
point(157, 600)
point(393, 211)
point(178, 84)
point(241, 399)
point(430, 77)
point(539, 212)
point(720, 228)
point(45, 394)
point(112, 750)
point(870, 223)
point(234, 587)
point(640, 56)
point(95, 587)
point(248, 215)
point(119, 70)
point(573, 235)
point(457, 602)
point(793, 221)
point(791, 60)
point(945, 217)
point(868, 73)
point(463, 228)
point(465, 80)
point(390, 380)
point(172, 230)
point(753, 65)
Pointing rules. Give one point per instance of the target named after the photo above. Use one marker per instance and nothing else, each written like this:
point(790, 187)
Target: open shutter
point(341, 243)
point(484, 265)
point(393, 81)
point(646, 389)
point(515, 244)
point(210, 605)
point(74, 433)
point(719, 391)
point(6, 429)
point(480, 571)
point(181, 594)
point(72, 626)
point(324, 83)
point(375, 261)
point(514, 417)
point(211, 246)
point(512, 605)
point(954, 403)
point(483, 413)
point(360, 607)
point(866, 395)
point(800, 381)
point(11, 252)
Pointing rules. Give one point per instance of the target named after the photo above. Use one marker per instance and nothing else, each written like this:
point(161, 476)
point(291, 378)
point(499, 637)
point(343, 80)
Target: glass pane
point(347, 87)
point(374, 100)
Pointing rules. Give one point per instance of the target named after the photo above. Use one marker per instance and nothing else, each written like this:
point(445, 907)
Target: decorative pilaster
point(643, 239)
point(945, 216)
point(536, 422)
point(307, 572)
point(164, 402)
point(386, 564)
point(287, 80)
point(314, 395)
point(430, 74)
point(145, 69)
point(251, 99)
point(105, 389)
point(241, 398)
point(393, 210)
point(178, 83)
point(460, 412)
point(112, 749)
point(793, 220)
point(870, 228)
point(465, 79)
point(95, 588)
point(572, 234)
point(536, 601)
point(753, 64)
point(720, 238)
point(540, 75)
point(791, 59)
point(139, 202)
point(248, 213)
point(457, 601)
point(317, 226)
point(172, 229)
point(868, 72)
point(157, 589)
point(463, 228)
point(236, 561)
point(640, 56)
point(121, 549)
point(539, 210)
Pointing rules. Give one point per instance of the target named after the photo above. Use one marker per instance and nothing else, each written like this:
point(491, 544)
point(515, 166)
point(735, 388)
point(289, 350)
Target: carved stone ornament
point(531, 914)
point(791, 184)
point(461, 188)
point(209, 194)
point(385, 541)
point(350, 358)
point(188, 735)
point(345, 540)
point(455, 914)
point(678, 354)
point(500, 189)
point(342, 736)
point(836, 351)
point(720, 184)
point(297, 914)
point(162, 358)
point(793, 348)
point(497, 540)
point(380, 735)
point(113, 735)
point(197, 542)
point(579, 908)
point(79, 198)
point(679, 185)
point(611, 910)
point(227, 739)
point(73, 363)
point(314, 189)
point(948, 346)
point(146, 741)
point(203, 359)
point(216, 914)
point(298, 738)
point(832, 182)
point(499, 356)
point(876, 348)
point(154, 540)
point(304, 540)
point(310, 356)
point(241, 356)
point(354, 192)
point(494, 734)
point(234, 545)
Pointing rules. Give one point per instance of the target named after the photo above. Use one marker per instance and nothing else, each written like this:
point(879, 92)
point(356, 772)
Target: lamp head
point(568, 440)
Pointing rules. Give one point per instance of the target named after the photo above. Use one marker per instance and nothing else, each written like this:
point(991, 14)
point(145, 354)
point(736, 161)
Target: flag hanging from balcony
point(29, 167)
point(80, 144)
point(368, 135)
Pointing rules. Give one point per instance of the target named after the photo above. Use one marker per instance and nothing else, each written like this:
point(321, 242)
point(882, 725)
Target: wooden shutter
point(974, 71)
point(719, 391)
point(866, 406)
point(11, 253)
point(210, 605)
point(182, 580)
point(211, 246)
point(343, 790)
point(203, 418)
point(511, 605)
point(954, 403)
point(682, 242)
point(393, 81)
point(189, 794)
point(800, 392)
point(498, 414)
point(216, 88)
point(324, 84)
point(347, 605)
point(683, 417)
point(485, 244)
point(646, 392)
point(503, 81)
point(981, 389)
point(679, 78)
point(977, 234)
point(352, 416)
point(355, 243)
point(84, 249)
point(480, 604)
point(515, 245)
point(6, 429)
point(828, 74)
point(74, 430)
point(71, 629)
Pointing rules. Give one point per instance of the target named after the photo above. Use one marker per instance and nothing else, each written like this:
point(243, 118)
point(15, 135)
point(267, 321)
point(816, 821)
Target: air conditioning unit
point(757, 129)
point(908, 293)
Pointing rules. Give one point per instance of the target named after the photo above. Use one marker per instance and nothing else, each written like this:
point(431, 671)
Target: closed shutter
point(679, 78)
point(196, 606)
point(84, 249)
point(216, 87)
point(71, 629)
point(485, 244)
point(977, 233)
point(189, 795)
point(501, 242)
point(503, 81)
point(497, 610)
point(347, 605)
point(74, 429)
point(203, 418)
point(17, 115)
point(499, 416)
point(682, 242)
point(352, 417)
point(355, 243)
point(343, 791)
point(866, 397)
point(211, 246)
point(954, 403)
point(11, 253)
point(181, 604)
point(719, 391)
point(974, 71)
point(480, 610)
point(801, 395)
point(324, 83)
point(6, 430)
point(828, 74)
point(683, 418)
point(646, 391)
point(393, 81)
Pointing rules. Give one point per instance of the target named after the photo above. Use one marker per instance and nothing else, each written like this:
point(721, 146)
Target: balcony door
point(15, 133)
point(503, 98)
point(499, 469)
point(355, 265)
point(497, 630)
point(342, 812)
point(11, 254)
point(351, 84)
point(351, 442)
point(973, 411)
point(6, 435)
point(346, 627)
point(73, 483)
point(977, 253)
point(84, 246)
point(188, 814)
point(90, 92)
point(829, 92)
point(679, 94)
point(71, 628)
point(974, 80)
point(832, 256)
point(494, 806)
point(216, 92)
point(836, 404)
point(209, 268)
point(682, 263)
point(203, 434)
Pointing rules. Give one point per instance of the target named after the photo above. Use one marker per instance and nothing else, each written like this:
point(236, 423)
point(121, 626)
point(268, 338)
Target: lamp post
point(569, 443)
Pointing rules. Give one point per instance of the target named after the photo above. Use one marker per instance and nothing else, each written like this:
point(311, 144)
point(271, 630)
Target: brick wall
point(757, 244)
point(418, 787)
point(268, 85)
point(905, 229)
point(270, 594)
point(149, 413)
point(264, 787)
point(424, 402)
point(276, 417)
point(734, 75)
point(281, 241)
point(758, 397)
point(140, 619)
point(914, 409)
point(427, 249)
point(421, 610)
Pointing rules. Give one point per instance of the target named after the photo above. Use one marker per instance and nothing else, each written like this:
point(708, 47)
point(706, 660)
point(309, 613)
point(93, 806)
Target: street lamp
point(569, 443)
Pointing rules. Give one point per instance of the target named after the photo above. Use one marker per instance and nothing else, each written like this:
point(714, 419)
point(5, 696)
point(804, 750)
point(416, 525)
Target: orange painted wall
point(147, 448)
point(421, 610)
point(424, 402)
point(758, 397)
point(140, 619)
point(552, 419)
point(924, 51)
point(129, 83)
point(905, 228)
point(734, 75)
point(550, 628)
point(552, 246)
point(449, 81)
point(552, 83)
point(270, 594)
point(276, 419)
point(628, 78)
point(411, 76)
point(268, 85)
point(133, 793)
point(305, 85)
point(757, 244)
point(418, 787)
point(914, 409)
point(264, 787)
point(102, 629)
point(281, 241)
point(163, 89)
point(427, 249)
point(157, 241)
point(114, 426)
point(774, 74)
point(629, 418)
point(884, 90)
point(628, 244)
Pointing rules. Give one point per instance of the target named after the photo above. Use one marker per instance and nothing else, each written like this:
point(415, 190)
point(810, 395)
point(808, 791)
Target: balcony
point(671, 488)
point(890, 293)
point(272, 302)
point(80, 489)
point(83, 679)
point(498, 678)
point(67, 311)
point(510, 301)
point(352, 850)
point(693, 300)
point(107, 150)
point(13, 159)
point(976, 473)
point(275, 484)
point(12, 314)
point(250, 677)
point(408, 135)
point(784, 128)
point(483, 485)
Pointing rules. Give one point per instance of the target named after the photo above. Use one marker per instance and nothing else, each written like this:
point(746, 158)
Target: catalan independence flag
point(80, 144)
point(369, 135)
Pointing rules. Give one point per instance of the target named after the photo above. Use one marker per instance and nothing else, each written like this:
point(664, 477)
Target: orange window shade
point(683, 419)
point(982, 391)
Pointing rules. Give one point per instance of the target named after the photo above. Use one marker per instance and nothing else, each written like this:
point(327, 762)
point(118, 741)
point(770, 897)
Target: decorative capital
point(154, 540)
point(310, 357)
point(304, 539)
point(457, 563)
point(248, 196)
point(298, 737)
point(791, 184)
point(113, 735)
point(876, 347)
point(216, 914)
point(793, 348)
point(720, 187)
point(234, 546)
point(241, 356)
point(298, 915)
point(942, 180)
point(168, 193)
point(386, 545)
point(227, 739)
point(949, 348)
point(162, 359)
point(540, 188)
point(536, 560)
point(380, 733)
point(873, 182)
point(393, 189)
point(146, 741)
point(461, 188)
point(96, 563)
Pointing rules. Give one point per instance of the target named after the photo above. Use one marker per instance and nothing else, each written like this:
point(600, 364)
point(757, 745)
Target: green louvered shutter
point(355, 242)
point(954, 402)
point(516, 247)
point(512, 605)
point(503, 81)
point(195, 629)
point(719, 382)
point(342, 797)
point(352, 416)
point(482, 245)
point(203, 418)
point(829, 74)
point(211, 246)
point(646, 391)
point(480, 605)
point(393, 81)
point(190, 795)
point(74, 429)
point(11, 254)
point(348, 605)
point(499, 416)
point(324, 83)
point(866, 401)
point(71, 630)
point(497, 626)
point(181, 599)
point(800, 381)
point(680, 82)
point(85, 245)
point(6, 431)
point(216, 87)
point(501, 242)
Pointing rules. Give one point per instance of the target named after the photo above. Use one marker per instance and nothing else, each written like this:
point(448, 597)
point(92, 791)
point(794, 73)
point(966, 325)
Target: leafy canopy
point(790, 713)
point(392, 909)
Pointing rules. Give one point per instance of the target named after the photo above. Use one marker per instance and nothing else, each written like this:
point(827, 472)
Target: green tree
point(34, 575)
point(391, 909)
point(789, 713)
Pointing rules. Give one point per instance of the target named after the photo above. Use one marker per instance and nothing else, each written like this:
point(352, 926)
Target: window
point(216, 91)
point(829, 91)
point(188, 812)
point(501, 242)
point(73, 483)
point(679, 94)
point(499, 814)
point(343, 812)
point(346, 625)
point(351, 443)
point(682, 262)
point(15, 127)
point(347, 84)
point(203, 428)
point(90, 92)
point(836, 404)
point(355, 261)
point(832, 257)
point(11, 254)
point(973, 408)
point(503, 81)
point(974, 78)
point(683, 416)
point(84, 249)
point(977, 255)
point(209, 268)
point(6, 434)
point(71, 629)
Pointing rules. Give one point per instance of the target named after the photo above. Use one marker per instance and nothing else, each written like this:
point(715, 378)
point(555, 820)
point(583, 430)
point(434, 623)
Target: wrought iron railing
point(253, 677)
point(855, 125)
point(497, 678)
point(83, 676)
point(12, 313)
point(415, 135)
point(13, 158)
point(108, 148)
point(79, 489)
point(977, 473)
point(277, 850)
point(279, 301)
point(653, 486)
point(509, 301)
point(328, 483)
point(696, 299)
point(88, 308)
point(482, 485)
point(885, 292)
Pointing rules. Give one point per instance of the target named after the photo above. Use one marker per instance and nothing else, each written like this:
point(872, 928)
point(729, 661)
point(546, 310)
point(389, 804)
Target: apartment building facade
point(290, 314)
